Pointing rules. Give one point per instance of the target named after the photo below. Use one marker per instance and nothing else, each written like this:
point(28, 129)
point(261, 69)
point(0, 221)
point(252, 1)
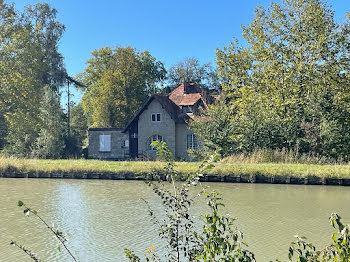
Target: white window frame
point(153, 138)
point(126, 143)
point(193, 143)
point(156, 117)
point(104, 143)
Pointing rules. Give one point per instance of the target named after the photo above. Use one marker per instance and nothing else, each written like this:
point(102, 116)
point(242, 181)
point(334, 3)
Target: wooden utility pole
point(70, 80)
point(68, 108)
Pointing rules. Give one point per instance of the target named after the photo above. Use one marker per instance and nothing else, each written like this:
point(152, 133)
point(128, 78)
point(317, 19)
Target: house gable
point(162, 117)
point(147, 127)
point(172, 109)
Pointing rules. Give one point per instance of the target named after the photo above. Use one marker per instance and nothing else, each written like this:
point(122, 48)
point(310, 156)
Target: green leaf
point(20, 203)
point(334, 237)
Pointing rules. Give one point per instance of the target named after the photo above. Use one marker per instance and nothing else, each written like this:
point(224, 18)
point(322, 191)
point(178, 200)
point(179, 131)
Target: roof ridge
point(174, 89)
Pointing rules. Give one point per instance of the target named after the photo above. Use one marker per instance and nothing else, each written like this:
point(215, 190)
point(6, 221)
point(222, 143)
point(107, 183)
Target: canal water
point(102, 217)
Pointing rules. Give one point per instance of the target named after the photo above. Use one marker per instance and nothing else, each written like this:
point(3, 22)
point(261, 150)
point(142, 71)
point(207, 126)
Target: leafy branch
point(338, 251)
point(176, 225)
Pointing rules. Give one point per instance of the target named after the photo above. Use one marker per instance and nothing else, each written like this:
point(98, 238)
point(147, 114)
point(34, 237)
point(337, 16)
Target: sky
point(170, 29)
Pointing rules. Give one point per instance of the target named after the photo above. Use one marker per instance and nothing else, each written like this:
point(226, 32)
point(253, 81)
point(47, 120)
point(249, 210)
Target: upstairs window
point(152, 139)
point(192, 142)
point(187, 109)
point(105, 143)
point(155, 117)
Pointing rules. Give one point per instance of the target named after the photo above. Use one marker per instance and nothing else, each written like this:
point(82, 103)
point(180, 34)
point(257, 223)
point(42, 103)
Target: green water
point(104, 217)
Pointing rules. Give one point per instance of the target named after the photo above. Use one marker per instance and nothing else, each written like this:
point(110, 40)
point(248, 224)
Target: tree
point(3, 131)
point(118, 81)
point(216, 129)
point(190, 70)
point(79, 130)
point(289, 85)
point(29, 62)
point(50, 140)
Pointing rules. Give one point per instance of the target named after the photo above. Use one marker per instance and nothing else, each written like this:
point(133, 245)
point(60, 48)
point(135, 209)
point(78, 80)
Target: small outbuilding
point(108, 144)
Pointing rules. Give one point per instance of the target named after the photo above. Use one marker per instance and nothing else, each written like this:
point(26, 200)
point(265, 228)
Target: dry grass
point(228, 166)
point(82, 165)
point(281, 156)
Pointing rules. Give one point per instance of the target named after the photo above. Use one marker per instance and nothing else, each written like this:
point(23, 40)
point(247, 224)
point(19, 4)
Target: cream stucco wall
point(147, 128)
point(182, 131)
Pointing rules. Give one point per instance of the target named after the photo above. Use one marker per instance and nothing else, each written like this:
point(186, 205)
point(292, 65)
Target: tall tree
point(190, 70)
point(290, 83)
point(216, 129)
point(50, 140)
point(29, 62)
point(118, 81)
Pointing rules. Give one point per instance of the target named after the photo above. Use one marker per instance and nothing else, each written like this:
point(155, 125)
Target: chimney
point(186, 87)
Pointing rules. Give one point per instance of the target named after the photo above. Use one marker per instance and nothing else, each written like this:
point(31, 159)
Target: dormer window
point(155, 117)
point(187, 109)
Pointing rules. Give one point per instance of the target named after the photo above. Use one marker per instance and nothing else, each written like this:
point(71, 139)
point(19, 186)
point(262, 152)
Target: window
point(155, 117)
point(105, 143)
point(192, 142)
point(134, 135)
point(126, 143)
point(187, 109)
point(152, 139)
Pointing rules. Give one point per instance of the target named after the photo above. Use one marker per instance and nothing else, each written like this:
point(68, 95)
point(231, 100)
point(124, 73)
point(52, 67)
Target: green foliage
point(339, 250)
point(176, 228)
point(131, 256)
point(190, 70)
point(29, 62)
point(217, 128)
point(50, 140)
point(282, 156)
point(218, 241)
point(78, 140)
point(289, 86)
point(3, 131)
point(118, 81)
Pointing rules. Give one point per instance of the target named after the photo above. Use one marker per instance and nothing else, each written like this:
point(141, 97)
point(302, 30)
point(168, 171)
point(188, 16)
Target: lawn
point(141, 167)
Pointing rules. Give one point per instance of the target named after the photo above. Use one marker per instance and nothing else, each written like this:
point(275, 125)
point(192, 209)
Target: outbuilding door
point(133, 138)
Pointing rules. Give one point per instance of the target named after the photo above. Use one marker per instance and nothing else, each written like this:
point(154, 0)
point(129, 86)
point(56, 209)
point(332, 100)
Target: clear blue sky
point(170, 29)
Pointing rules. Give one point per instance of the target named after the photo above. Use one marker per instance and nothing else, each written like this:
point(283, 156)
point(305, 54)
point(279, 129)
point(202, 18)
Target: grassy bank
point(225, 167)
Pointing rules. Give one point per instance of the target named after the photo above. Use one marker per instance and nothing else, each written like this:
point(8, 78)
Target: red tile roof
point(190, 99)
point(184, 95)
point(190, 96)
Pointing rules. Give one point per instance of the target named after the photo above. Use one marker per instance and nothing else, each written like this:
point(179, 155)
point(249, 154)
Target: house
point(161, 118)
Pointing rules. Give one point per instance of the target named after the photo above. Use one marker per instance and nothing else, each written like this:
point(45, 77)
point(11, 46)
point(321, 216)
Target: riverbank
point(280, 173)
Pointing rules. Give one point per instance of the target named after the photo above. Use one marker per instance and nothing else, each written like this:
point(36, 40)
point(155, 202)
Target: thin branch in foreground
point(58, 234)
point(25, 250)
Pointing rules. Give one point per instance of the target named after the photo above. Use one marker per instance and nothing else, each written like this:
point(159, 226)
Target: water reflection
point(104, 217)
